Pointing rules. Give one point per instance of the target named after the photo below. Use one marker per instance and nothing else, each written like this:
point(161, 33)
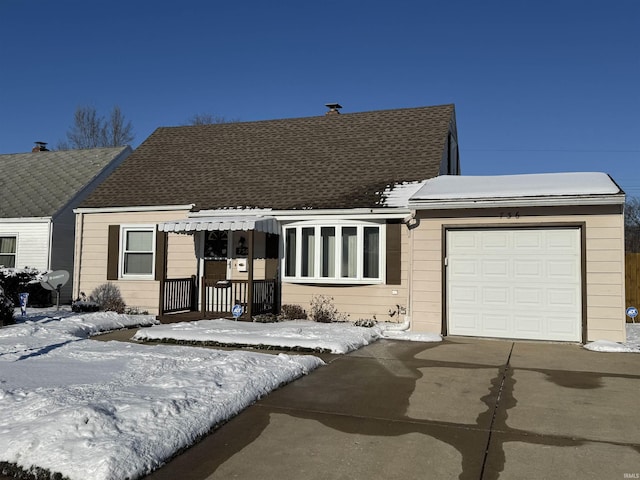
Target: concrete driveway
point(463, 408)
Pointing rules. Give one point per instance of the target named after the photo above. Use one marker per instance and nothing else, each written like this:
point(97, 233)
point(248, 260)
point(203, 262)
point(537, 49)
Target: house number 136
point(510, 215)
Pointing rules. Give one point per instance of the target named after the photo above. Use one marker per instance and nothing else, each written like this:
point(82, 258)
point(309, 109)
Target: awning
point(207, 224)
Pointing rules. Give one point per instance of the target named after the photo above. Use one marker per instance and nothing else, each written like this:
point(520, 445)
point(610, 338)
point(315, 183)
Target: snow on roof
point(398, 194)
point(455, 187)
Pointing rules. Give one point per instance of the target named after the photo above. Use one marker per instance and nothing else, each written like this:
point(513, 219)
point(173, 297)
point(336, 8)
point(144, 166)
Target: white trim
point(140, 208)
point(284, 215)
point(26, 220)
point(121, 251)
point(15, 253)
point(317, 267)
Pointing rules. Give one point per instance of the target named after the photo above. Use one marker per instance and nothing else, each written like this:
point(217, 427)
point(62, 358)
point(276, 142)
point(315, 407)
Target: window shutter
point(161, 255)
point(113, 252)
point(394, 234)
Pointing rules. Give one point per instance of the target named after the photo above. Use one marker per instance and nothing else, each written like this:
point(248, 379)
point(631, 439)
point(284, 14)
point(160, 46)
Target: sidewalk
point(404, 410)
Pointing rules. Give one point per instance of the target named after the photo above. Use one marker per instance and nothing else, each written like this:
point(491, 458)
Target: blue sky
point(539, 86)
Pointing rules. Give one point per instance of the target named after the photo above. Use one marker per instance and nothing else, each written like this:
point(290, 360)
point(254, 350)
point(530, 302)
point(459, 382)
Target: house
point(367, 208)
point(38, 192)
point(296, 207)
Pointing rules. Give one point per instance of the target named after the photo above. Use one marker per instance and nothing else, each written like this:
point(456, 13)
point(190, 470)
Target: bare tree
point(89, 130)
point(632, 225)
point(209, 119)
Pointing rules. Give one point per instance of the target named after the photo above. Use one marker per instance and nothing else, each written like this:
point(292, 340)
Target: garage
point(523, 283)
point(530, 257)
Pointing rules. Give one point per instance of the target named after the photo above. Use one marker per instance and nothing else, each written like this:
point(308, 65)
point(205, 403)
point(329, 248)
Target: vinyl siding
point(605, 276)
point(91, 255)
point(32, 245)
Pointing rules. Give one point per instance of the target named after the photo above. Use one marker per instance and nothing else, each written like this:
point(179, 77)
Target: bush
point(266, 318)
point(6, 309)
point(108, 297)
point(84, 304)
point(366, 322)
point(292, 312)
point(324, 311)
point(15, 281)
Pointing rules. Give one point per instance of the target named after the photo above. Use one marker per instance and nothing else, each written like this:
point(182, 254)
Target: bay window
point(349, 253)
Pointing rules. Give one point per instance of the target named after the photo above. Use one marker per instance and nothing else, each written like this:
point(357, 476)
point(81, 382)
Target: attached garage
point(535, 257)
point(514, 283)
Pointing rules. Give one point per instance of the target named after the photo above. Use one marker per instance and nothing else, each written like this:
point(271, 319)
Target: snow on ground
point(294, 334)
point(113, 410)
point(632, 345)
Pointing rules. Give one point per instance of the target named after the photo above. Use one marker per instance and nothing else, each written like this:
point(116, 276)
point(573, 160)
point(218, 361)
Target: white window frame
point(359, 278)
point(15, 253)
point(124, 229)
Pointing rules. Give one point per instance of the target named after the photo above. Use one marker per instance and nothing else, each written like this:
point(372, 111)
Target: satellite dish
point(55, 280)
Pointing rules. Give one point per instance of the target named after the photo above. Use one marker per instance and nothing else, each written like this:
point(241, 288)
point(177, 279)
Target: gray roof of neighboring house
point(40, 184)
point(327, 162)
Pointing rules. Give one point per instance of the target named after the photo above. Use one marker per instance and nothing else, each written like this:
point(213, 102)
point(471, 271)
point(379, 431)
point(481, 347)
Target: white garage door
point(514, 283)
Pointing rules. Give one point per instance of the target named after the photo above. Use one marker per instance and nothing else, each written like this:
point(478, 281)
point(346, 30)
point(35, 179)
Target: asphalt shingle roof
point(332, 161)
point(39, 184)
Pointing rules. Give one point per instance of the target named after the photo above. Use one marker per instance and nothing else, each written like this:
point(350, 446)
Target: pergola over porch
point(199, 297)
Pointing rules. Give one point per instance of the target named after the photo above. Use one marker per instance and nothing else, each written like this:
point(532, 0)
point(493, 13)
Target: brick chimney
point(334, 108)
point(40, 147)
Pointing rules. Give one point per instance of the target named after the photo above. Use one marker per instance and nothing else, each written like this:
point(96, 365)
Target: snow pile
point(632, 345)
point(294, 334)
point(113, 410)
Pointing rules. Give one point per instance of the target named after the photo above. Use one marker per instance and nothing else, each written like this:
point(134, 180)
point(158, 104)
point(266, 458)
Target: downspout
point(78, 254)
point(410, 222)
point(50, 228)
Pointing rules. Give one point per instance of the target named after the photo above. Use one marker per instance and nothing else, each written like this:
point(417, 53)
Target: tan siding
point(91, 265)
point(604, 269)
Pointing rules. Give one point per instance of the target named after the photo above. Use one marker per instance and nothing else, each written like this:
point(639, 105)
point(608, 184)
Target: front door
point(215, 269)
point(216, 246)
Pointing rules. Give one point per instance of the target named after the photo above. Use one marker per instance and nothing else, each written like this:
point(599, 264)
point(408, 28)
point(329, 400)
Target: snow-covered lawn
point(114, 410)
point(302, 335)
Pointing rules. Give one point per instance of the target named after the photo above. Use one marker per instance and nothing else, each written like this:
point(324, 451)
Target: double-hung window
point(137, 251)
point(334, 253)
point(8, 251)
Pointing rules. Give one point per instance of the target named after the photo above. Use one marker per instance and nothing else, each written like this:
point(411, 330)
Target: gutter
point(451, 204)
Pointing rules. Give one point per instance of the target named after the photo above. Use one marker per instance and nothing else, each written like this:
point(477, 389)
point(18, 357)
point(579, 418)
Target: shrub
point(366, 322)
point(108, 297)
point(292, 312)
point(324, 311)
point(6, 309)
point(266, 318)
point(84, 304)
point(15, 281)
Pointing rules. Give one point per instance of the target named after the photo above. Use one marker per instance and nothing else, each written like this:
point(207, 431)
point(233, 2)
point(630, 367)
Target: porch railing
point(180, 294)
point(220, 296)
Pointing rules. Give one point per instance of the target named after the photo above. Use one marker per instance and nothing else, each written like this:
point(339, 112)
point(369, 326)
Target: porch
point(235, 259)
point(184, 300)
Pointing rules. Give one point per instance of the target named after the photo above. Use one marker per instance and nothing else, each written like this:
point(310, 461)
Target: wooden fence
point(632, 271)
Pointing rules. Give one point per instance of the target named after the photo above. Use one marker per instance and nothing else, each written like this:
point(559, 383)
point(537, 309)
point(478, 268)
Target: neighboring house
point(38, 192)
point(366, 208)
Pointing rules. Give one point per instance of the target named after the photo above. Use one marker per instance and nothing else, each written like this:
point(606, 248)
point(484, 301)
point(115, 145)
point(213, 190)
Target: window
point(137, 251)
point(349, 253)
point(8, 251)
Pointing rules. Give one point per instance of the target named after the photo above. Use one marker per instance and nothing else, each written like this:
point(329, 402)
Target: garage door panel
point(495, 323)
point(496, 295)
point(527, 269)
point(515, 283)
